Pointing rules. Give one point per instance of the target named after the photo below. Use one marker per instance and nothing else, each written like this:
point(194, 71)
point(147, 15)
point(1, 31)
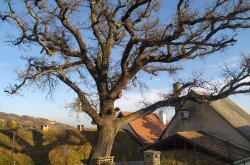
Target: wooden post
point(122, 150)
point(195, 155)
point(66, 156)
point(13, 141)
point(175, 154)
point(228, 150)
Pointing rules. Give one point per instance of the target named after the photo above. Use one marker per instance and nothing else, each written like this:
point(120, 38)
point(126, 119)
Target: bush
point(10, 124)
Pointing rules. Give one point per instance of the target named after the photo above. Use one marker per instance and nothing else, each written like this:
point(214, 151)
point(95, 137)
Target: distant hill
point(33, 122)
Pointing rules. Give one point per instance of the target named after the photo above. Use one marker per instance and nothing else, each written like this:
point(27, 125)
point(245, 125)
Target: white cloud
point(231, 62)
point(133, 101)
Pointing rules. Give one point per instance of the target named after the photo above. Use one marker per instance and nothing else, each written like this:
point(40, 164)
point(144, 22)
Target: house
point(44, 127)
point(80, 128)
point(146, 129)
point(218, 131)
point(198, 147)
point(222, 118)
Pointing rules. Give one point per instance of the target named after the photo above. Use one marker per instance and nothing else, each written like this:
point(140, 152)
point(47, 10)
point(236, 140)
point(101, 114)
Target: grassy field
point(31, 146)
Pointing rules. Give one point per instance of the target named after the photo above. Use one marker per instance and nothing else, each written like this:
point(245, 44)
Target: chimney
point(44, 127)
point(176, 93)
point(163, 117)
point(177, 89)
point(80, 128)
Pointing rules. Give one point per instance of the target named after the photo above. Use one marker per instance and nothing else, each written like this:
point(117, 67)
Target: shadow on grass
point(36, 146)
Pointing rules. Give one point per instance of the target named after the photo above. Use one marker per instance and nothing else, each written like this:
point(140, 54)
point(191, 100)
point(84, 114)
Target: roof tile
point(148, 128)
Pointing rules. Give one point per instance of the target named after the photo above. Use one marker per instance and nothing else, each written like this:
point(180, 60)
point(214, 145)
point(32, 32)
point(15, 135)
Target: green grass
point(49, 147)
point(7, 158)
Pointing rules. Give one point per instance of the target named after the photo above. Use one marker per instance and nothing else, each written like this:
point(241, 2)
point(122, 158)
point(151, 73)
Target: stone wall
point(152, 157)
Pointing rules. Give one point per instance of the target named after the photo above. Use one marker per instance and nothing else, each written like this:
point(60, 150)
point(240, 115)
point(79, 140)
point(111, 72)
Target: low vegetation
point(27, 146)
point(184, 157)
point(22, 142)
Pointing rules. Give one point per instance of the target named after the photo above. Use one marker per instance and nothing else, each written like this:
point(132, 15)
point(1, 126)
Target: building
point(146, 129)
point(44, 127)
point(218, 131)
point(198, 147)
point(222, 118)
point(80, 128)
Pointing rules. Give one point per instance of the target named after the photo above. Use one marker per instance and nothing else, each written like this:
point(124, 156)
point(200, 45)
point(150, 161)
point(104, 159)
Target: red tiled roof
point(148, 128)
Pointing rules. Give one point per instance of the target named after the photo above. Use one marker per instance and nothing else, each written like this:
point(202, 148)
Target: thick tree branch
point(86, 106)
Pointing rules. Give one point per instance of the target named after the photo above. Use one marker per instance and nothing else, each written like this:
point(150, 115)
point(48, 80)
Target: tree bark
point(104, 141)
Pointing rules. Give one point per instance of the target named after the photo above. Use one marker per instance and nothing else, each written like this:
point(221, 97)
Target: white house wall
point(204, 118)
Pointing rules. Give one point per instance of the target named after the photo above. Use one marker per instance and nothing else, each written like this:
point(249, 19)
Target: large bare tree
point(98, 47)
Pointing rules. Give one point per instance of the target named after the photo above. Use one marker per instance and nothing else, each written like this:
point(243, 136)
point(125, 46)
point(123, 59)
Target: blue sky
point(34, 103)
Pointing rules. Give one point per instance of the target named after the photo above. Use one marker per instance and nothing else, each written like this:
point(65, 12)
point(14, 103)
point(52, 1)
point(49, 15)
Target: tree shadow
point(154, 128)
point(90, 135)
point(125, 146)
point(39, 150)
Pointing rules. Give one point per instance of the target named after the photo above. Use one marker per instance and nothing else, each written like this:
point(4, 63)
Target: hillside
point(32, 122)
point(30, 145)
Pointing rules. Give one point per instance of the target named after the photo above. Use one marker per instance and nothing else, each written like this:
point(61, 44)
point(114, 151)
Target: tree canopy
point(98, 47)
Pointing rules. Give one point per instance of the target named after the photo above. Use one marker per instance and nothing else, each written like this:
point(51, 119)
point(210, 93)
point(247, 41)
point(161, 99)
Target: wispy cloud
point(231, 62)
point(3, 64)
point(133, 101)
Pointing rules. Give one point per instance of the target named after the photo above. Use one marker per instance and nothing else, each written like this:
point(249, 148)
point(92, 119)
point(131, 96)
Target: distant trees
point(2, 124)
point(10, 124)
point(19, 125)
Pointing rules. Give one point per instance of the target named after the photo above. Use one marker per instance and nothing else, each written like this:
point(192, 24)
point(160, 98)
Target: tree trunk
point(104, 142)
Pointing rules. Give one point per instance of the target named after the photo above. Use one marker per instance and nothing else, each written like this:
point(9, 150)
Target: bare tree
point(98, 47)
